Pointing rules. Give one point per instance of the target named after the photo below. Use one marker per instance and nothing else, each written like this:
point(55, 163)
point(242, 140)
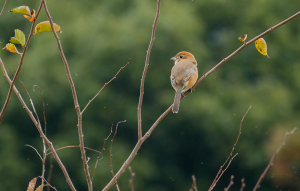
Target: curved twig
point(139, 114)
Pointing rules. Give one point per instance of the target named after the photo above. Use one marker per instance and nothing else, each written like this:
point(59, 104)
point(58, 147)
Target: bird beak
point(174, 59)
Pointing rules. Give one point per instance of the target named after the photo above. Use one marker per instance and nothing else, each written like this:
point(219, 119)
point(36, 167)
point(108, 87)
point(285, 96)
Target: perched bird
point(184, 75)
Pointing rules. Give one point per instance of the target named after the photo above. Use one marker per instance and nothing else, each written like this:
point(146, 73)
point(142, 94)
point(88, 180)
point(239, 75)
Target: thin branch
point(73, 147)
point(139, 114)
point(103, 148)
point(50, 172)
point(45, 123)
point(230, 183)
point(221, 171)
point(194, 185)
point(273, 158)
point(132, 175)
point(148, 133)
point(243, 184)
point(111, 155)
point(240, 48)
point(105, 86)
point(76, 104)
point(35, 151)
point(3, 8)
point(48, 184)
point(20, 64)
point(39, 128)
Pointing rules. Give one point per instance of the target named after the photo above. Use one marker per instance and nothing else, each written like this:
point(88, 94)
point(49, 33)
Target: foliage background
point(99, 36)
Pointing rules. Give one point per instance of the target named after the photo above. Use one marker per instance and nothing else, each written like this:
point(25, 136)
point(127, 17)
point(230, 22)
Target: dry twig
point(194, 185)
point(221, 171)
point(39, 128)
point(132, 175)
point(273, 157)
point(139, 114)
point(20, 64)
point(111, 155)
point(230, 183)
point(3, 8)
point(243, 184)
point(105, 86)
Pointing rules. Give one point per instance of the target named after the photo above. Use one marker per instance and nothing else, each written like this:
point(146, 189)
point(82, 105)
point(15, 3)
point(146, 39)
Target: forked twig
point(105, 86)
point(48, 184)
point(221, 171)
point(20, 64)
point(139, 114)
point(273, 157)
point(230, 183)
point(39, 128)
point(111, 155)
point(103, 148)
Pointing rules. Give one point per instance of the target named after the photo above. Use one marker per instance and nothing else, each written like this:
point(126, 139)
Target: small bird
point(184, 75)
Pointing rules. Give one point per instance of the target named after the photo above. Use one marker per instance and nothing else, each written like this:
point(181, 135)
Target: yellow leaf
point(31, 185)
point(261, 46)
point(11, 48)
point(24, 10)
point(46, 27)
point(40, 188)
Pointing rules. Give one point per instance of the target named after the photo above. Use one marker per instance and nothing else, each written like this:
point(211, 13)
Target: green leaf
point(24, 10)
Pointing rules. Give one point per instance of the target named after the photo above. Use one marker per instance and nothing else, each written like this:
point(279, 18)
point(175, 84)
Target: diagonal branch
point(145, 71)
point(273, 157)
point(77, 108)
point(105, 86)
point(3, 8)
point(39, 128)
point(148, 133)
point(20, 64)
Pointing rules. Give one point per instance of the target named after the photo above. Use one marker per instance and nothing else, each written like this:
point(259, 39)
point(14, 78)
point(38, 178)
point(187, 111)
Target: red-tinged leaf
point(46, 27)
point(24, 10)
point(31, 184)
point(40, 188)
point(32, 17)
point(11, 48)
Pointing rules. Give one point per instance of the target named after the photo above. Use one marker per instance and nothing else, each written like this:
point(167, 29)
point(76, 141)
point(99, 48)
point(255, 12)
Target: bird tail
point(177, 99)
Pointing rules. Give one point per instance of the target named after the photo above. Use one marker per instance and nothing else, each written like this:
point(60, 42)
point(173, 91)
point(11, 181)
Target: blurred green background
point(98, 38)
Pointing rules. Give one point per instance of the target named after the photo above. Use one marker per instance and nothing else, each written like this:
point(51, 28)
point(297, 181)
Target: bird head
point(183, 56)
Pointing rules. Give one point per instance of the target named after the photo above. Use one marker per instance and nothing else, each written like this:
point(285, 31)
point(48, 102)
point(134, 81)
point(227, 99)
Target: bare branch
point(221, 171)
point(111, 155)
point(35, 151)
point(45, 123)
point(132, 175)
point(243, 184)
point(49, 185)
point(104, 86)
point(103, 148)
point(139, 114)
point(74, 147)
point(3, 8)
point(20, 64)
point(50, 172)
point(194, 185)
point(148, 133)
point(230, 183)
point(39, 128)
point(273, 158)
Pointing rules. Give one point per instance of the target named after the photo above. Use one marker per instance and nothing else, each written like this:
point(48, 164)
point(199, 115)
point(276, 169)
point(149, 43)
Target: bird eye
point(181, 56)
